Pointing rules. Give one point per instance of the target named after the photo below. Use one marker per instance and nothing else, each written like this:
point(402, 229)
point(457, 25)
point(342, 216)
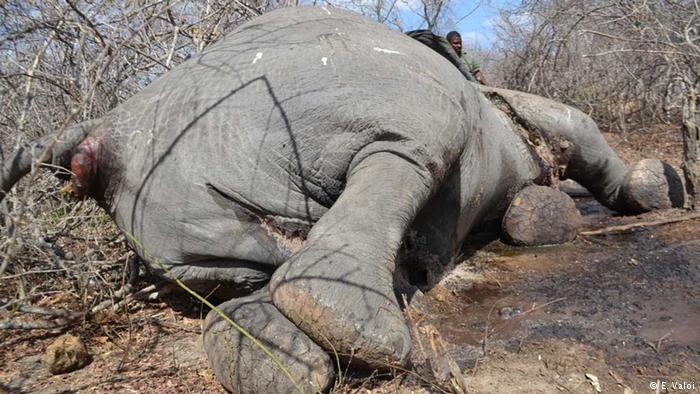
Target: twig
point(657, 347)
point(39, 325)
point(162, 323)
point(64, 318)
point(538, 307)
point(36, 272)
point(129, 339)
point(486, 328)
point(123, 296)
point(630, 50)
point(695, 366)
point(30, 80)
point(618, 380)
point(172, 48)
point(417, 376)
point(38, 310)
point(632, 226)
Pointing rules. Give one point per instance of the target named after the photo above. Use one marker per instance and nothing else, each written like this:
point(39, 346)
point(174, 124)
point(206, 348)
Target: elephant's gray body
point(300, 149)
point(267, 123)
point(264, 126)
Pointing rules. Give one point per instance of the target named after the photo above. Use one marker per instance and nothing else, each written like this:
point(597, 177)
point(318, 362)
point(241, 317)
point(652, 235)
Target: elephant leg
point(242, 367)
point(540, 215)
point(223, 278)
point(339, 288)
point(431, 245)
point(575, 140)
point(223, 252)
point(652, 184)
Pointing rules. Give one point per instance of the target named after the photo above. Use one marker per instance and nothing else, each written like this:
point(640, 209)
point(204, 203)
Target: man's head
point(455, 39)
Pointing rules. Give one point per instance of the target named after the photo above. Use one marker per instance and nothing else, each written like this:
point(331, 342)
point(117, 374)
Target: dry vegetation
point(628, 64)
point(63, 263)
point(632, 65)
point(63, 62)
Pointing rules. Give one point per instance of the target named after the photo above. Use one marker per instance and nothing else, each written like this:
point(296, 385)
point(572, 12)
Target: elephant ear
point(440, 45)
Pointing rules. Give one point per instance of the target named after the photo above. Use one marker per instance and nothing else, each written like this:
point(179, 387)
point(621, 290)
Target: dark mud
point(627, 303)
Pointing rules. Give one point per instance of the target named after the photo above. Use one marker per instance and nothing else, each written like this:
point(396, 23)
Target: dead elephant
point(293, 156)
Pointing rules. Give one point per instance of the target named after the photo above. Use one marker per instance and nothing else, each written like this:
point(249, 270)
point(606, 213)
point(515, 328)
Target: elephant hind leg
point(243, 367)
point(223, 278)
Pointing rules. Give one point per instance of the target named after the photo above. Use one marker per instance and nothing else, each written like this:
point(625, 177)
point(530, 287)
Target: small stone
point(508, 313)
point(66, 354)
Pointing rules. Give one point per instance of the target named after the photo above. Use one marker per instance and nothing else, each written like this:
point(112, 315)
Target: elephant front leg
point(647, 185)
point(540, 215)
point(339, 288)
point(651, 184)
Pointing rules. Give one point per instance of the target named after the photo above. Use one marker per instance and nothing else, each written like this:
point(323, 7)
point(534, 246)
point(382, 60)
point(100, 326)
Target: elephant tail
point(53, 148)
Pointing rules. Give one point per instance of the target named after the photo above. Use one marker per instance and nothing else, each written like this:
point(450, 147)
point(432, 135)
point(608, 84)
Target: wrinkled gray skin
point(299, 151)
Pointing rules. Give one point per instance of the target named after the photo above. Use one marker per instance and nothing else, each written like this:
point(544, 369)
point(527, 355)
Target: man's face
point(456, 43)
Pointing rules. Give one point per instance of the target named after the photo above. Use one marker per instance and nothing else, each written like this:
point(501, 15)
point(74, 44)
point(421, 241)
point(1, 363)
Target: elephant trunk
point(54, 148)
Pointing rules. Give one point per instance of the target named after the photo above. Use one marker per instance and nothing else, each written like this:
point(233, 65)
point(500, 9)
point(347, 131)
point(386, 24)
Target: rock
point(508, 313)
point(66, 354)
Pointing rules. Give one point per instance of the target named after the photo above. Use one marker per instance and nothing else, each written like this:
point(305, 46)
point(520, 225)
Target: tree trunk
point(691, 146)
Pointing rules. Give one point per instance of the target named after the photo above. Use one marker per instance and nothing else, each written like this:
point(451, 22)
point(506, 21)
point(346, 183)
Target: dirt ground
point(621, 307)
point(614, 313)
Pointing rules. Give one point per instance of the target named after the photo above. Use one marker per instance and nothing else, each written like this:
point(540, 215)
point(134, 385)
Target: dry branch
point(38, 310)
point(39, 325)
point(63, 62)
point(62, 318)
point(618, 61)
point(640, 225)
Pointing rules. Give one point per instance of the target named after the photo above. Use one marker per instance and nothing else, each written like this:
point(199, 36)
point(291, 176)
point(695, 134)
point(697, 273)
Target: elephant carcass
point(291, 159)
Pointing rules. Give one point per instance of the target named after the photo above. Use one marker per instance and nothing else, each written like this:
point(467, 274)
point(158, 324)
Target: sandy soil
point(621, 309)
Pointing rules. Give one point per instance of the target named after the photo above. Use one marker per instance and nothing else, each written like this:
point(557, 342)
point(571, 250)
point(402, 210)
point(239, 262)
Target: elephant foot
point(652, 184)
point(243, 367)
point(346, 305)
point(540, 215)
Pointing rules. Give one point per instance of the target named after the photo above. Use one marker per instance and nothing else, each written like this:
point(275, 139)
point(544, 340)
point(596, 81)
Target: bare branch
point(649, 51)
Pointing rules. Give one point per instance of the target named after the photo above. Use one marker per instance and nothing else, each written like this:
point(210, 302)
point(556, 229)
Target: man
point(455, 40)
